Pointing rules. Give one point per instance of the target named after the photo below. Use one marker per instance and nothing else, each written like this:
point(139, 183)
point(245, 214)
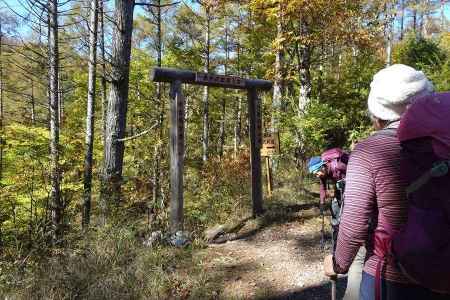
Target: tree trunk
point(205, 139)
point(414, 12)
point(402, 18)
point(158, 147)
point(223, 100)
point(56, 205)
point(33, 105)
point(304, 64)
point(238, 125)
point(279, 67)
point(303, 53)
point(60, 101)
point(388, 33)
point(117, 102)
point(101, 14)
point(238, 110)
point(90, 116)
point(426, 11)
point(420, 21)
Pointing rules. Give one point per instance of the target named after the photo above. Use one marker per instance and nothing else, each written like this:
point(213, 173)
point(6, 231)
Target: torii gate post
point(177, 106)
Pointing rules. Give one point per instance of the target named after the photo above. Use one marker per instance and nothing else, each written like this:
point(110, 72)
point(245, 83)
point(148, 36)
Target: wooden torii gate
point(177, 106)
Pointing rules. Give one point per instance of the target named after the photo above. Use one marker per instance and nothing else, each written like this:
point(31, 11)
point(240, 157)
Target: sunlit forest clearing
point(115, 186)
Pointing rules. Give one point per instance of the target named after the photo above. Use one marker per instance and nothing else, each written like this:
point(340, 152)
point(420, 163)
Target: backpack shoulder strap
point(387, 132)
point(439, 169)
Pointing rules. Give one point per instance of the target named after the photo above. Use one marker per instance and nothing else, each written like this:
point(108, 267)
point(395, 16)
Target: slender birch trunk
point(33, 104)
point(103, 67)
point(223, 100)
point(205, 139)
point(279, 67)
point(388, 33)
point(414, 16)
point(402, 19)
point(304, 64)
point(90, 115)
point(60, 101)
point(238, 110)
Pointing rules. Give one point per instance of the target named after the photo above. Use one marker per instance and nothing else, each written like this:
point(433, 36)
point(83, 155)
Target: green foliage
point(431, 56)
point(25, 187)
point(319, 123)
point(336, 117)
point(419, 52)
point(218, 192)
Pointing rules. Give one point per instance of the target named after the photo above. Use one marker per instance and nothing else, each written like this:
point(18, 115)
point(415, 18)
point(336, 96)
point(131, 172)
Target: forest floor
point(277, 257)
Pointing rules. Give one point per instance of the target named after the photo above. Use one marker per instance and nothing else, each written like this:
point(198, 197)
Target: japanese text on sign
point(219, 79)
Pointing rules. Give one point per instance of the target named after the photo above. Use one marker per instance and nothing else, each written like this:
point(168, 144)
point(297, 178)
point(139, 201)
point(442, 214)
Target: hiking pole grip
point(333, 280)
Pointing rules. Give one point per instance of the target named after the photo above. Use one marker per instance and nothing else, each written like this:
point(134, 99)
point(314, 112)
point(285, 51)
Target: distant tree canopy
point(419, 52)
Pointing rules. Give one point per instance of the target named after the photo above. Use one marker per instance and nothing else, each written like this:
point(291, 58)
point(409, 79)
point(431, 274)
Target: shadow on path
point(318, 292)
point(275, 213)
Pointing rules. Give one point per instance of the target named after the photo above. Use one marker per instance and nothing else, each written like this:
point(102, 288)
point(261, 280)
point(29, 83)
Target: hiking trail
point(278, 257)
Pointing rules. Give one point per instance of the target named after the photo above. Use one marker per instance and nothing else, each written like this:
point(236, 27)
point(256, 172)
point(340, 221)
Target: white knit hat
point(393, 88)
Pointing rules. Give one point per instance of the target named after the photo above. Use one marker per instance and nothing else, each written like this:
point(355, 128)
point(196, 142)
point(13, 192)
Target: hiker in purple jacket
point(329, 174)
point(331, 170)
point(375, 187)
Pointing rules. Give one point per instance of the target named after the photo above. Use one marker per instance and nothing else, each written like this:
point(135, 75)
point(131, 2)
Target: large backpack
point(422, 247)
point(336, 159)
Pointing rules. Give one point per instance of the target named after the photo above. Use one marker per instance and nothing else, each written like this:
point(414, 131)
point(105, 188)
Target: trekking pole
point(333, 280)
point(335, 230)
point(322, 231)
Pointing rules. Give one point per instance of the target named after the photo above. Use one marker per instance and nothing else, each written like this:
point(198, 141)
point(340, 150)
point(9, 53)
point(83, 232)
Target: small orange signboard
point(271, 145)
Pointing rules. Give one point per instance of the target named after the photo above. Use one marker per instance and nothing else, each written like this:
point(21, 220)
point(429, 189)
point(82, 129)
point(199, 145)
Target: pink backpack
point(422, 247)
point(336, 160)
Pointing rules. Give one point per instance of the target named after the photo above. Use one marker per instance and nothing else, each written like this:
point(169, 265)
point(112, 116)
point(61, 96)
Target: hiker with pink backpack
point(399, 178)
point(330, 168)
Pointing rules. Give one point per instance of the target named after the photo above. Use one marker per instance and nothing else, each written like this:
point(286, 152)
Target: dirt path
point(280, 259)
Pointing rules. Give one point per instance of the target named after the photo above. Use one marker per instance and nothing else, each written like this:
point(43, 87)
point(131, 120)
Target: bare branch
point(137, 135)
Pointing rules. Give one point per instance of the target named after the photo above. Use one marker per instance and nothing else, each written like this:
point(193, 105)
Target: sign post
point(269, 176)
point(270, 147)
point(176, 156)
point(254, 111)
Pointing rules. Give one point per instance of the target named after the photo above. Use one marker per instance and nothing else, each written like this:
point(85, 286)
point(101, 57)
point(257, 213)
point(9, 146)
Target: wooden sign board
point(269, 142)
point(271, 145)
point(268, 151)
point(219, 80)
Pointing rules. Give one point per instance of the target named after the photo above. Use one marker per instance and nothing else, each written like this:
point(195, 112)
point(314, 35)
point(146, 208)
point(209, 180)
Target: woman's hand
point(330, 194)
point(328, 266)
